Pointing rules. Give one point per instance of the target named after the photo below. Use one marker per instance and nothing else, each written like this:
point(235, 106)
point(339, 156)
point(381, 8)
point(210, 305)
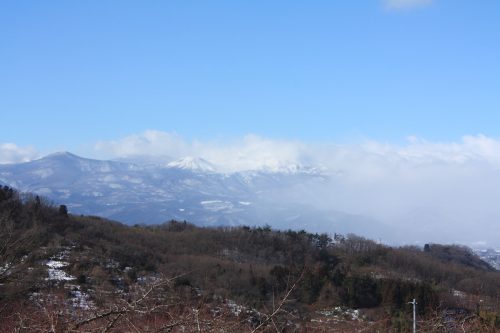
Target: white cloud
point(441, 190)
point(251, 152)
point(255, 152)
point(150, 142)
point(248, 153)
point(445, 190)
point(11, 153)
point(405, 4)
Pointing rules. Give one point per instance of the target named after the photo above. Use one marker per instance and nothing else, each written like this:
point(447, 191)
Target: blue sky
point(266, 83)
point(76, 72)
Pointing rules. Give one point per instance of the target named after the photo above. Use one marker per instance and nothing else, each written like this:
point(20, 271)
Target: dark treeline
point(251, 265)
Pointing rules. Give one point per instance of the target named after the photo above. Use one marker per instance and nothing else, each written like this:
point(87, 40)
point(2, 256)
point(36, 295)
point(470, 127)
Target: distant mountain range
point(186, 189)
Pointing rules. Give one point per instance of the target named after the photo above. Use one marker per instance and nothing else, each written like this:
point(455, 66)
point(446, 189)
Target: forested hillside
point(60, 272)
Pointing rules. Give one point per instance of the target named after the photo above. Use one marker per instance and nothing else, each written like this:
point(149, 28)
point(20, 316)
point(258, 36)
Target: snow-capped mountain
point(192, 163)
point(186, 189)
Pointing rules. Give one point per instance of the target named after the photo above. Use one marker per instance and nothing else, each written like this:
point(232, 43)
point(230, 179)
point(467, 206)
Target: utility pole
point(414, 303)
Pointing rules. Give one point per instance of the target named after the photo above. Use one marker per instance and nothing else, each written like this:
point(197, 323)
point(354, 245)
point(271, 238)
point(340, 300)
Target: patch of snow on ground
point(5, 268)
point(338, 314)
point(458, 293)
point(55, 266)
point(236, 309)
point(79, 298)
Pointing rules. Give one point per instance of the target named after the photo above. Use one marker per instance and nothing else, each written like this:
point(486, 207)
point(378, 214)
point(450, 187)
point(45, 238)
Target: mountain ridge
point(186, 189)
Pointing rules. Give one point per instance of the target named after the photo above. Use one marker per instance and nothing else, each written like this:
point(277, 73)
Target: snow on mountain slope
point(187, 189)
point(293, 169)
point(192, 163)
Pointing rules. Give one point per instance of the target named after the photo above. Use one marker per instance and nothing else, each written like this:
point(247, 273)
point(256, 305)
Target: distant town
point(491, 256)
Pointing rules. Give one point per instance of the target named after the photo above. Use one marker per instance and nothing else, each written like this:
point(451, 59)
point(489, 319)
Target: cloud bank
point(443, 189)
point(248, 153)
point(11, 153)
point(430, 191)
point(254, 152)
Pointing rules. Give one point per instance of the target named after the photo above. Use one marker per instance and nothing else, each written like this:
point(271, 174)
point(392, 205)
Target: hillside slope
point(82, 273)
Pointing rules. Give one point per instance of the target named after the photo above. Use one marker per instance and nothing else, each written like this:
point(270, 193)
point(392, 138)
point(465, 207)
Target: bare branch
point(280, 305)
